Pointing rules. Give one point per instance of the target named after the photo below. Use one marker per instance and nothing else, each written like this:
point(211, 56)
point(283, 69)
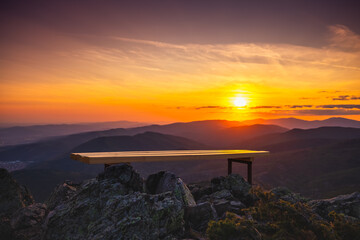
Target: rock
point(236, 184)
point(200, 189)
point(222, 206)
point(13, 196)
point(61, 193)
point(26, 222)
point(110, 207)
point(124, 174)
point(166, 181)
point(286, 195)
point(346, 204)
point(198, 216)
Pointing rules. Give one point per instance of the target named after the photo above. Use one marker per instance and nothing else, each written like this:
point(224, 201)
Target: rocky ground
point(120, 204)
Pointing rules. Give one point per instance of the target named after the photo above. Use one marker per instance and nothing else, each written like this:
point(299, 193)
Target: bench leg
point(249, 169)
point(247, 161)
point(229, 166)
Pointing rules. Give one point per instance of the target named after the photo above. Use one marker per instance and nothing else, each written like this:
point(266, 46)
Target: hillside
point(43, 176)
point(216, 133)
point(318, 136)
point(297, 147)
point(323, 171)
point(28, 134)
point(305, 124)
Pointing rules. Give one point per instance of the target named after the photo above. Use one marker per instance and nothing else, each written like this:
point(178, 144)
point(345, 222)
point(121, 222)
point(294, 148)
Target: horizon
point(180, 61)
point(10, 125)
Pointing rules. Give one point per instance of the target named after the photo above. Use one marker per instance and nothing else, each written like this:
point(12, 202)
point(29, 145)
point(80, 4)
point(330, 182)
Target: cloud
point(257, 107)
point(326, 112)
point(345, 98)
point(299, 106)
point(343, 106)
point(212, 107)
point(342, 98)
point(343, 38)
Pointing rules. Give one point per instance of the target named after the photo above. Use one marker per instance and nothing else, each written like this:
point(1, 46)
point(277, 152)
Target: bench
point(109, 158)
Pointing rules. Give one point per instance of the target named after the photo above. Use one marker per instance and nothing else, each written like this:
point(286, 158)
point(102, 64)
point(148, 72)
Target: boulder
point(197, 217)
point(166, 181)
point(13, 196)
point(124, 174)
point(219, 195)
point(199, 190)
point(113, 207)
point(26, 222)
point(62, 193)
point(346, 204)
point(222, 206)
point(236, 184)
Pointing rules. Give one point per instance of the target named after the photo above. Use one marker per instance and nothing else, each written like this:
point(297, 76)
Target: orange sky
point(63, 78)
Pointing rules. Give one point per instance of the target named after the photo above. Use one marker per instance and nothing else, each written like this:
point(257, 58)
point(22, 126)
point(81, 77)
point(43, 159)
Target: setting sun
point(240, 102)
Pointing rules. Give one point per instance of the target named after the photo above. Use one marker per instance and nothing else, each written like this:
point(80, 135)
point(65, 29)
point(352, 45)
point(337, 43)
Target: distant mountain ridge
point(28, 134)
point(306, 124)
point(310, 137)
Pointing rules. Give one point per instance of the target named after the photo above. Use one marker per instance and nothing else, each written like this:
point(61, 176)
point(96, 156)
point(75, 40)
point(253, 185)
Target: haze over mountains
point(28, 134)
point(304, 160)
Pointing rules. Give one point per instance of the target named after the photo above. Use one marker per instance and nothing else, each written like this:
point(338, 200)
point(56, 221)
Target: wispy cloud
point(345, 98)
point(343, 106)
point(259, 107)
point(343, 38)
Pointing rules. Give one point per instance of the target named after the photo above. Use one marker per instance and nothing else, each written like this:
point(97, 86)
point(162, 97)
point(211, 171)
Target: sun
point(240, 101)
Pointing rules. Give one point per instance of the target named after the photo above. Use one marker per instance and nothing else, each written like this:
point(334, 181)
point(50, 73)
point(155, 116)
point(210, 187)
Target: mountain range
point(29, 134)
point(301, 159)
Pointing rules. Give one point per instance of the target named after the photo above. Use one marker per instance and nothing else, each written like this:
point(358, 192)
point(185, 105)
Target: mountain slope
point(304, 124)
point(28, 134)
point(317, 172)
point(317, 136)
point(43, 176)
point(214, 133)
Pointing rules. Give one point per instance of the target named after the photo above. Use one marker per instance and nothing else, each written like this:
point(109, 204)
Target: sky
point(167, 61)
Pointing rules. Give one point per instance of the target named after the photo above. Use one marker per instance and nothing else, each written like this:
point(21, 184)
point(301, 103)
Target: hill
point(300, 138)
point(323, 171)
point(305, 124)
point(29, 134)
point(215, 133)
point(43, 176)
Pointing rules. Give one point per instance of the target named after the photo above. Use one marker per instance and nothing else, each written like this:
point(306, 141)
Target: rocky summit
point(120, 204)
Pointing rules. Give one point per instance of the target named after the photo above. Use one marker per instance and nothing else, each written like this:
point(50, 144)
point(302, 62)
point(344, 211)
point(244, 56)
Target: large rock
point(222, 206)
point(113, 207)
point(198, 190)
point(346, 204)
point(26, 222)
point(62, 193)
point(13, 196)
point(166, 181)
point(124, 174)
point(236, 184)
point(197, 217)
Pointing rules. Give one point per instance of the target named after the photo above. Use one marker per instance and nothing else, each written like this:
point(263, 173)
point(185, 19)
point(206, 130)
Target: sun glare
point(240, 102)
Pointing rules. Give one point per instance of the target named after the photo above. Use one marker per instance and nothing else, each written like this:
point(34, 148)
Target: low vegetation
point(272, 218)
